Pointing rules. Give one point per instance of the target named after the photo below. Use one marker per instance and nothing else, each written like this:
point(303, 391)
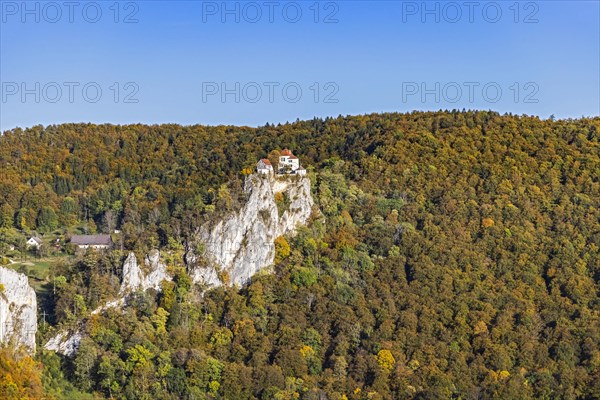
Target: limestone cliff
point(18, 310)
point(243, 242)
point(65, 343)
point(133, 279)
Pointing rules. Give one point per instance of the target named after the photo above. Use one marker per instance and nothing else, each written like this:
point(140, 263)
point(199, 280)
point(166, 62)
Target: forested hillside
point(456, 256)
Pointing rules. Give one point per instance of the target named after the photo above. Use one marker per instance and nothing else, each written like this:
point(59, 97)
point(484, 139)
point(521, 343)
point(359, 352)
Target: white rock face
point(18, 310)
point(132, 274)
point(65, 343)
point(243, 243)
point(133, 280)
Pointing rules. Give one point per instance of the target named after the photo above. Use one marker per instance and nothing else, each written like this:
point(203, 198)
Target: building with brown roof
point(98, 242)
point(264, 166)
point(289, 163)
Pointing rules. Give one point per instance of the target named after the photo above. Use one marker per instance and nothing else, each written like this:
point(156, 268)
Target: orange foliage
point(487, 222)
point(20, 377)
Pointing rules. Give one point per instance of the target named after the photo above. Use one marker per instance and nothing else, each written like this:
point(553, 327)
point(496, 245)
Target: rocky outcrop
point(65, 343)
point(132, 274)
point(243, 243)
point(18, 310)
point(133, 279)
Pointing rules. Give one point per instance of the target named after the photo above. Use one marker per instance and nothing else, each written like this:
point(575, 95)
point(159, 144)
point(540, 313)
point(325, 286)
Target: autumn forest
point(451, 255)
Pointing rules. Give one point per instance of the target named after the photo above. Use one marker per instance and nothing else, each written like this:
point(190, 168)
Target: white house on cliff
point(264, 166)
point(289, 164)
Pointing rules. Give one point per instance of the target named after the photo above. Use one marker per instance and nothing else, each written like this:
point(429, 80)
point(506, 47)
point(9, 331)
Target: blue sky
point(194, 62)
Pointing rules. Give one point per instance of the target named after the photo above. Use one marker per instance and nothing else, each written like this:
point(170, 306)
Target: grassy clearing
point(39, 271)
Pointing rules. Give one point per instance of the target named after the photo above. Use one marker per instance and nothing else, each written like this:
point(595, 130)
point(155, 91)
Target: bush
point(282, 249)
point(304, 277)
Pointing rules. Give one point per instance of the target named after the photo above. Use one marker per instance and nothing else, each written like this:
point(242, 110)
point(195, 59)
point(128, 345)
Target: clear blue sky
point(363, 56)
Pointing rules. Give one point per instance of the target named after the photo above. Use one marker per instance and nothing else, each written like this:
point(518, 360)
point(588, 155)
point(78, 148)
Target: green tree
point(7, 214)
point(47, 220)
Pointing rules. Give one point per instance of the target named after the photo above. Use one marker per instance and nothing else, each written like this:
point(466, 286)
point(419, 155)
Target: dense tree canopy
point(457, 256)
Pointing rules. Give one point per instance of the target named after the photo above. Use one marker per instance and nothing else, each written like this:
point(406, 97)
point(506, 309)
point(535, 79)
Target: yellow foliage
point(487, 222)
point(159, 319)
point(346, 217)
point(20, 377)
point(386, 360)
point(282, 249)
point(213, 387)
point(393, 217)
point(225, 277)
point(306, 351)
point(479, 328)
point(414, 364)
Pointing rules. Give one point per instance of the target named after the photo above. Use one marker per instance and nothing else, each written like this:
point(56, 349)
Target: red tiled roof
point(286, 152)
point(293, 158)
point(266, 161)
